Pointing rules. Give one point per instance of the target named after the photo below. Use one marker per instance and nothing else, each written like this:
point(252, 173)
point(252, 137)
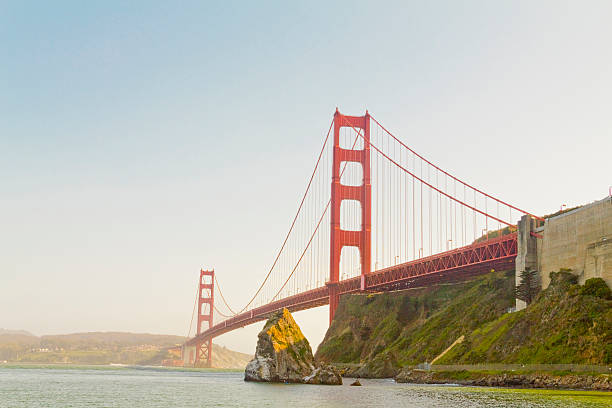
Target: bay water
point(150, 387)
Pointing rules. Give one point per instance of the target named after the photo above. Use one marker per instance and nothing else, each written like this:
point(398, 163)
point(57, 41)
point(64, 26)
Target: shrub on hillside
point(596, 287)
point(563, 279)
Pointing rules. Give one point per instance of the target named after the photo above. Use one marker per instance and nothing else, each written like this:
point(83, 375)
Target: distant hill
point(102, 348)
point(16, 337)
point(15, 332)
point(226, 358)
point(109, 340)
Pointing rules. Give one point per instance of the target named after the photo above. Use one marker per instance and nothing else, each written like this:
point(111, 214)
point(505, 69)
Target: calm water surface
point(129, 387)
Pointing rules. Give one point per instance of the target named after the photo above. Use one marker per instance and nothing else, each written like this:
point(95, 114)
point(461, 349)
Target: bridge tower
point(203, 355)
point(363, 193)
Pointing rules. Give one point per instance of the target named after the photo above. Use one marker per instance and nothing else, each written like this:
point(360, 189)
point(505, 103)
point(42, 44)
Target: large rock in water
point(283, 354)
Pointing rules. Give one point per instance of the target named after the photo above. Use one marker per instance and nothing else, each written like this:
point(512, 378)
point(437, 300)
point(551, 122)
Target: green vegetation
point(563, 397)
point(529, 286)
point(495, 233)
point(388, 330)
point(562, 211)
point(596, 287)
point(565, 324)
point(283, 334)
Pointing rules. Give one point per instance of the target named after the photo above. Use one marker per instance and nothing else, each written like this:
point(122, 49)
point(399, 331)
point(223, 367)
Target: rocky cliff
point(377, 334)
point(385, 331)
point(283, 354)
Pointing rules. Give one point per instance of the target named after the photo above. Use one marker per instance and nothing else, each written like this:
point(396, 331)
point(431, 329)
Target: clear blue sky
point(140, 141)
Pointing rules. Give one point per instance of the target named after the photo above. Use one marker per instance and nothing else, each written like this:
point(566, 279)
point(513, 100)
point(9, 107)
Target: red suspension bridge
point(396, 221)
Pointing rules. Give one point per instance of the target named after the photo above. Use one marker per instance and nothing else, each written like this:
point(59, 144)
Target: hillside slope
point(388, 330)
point(564, 325)
point(226, 358)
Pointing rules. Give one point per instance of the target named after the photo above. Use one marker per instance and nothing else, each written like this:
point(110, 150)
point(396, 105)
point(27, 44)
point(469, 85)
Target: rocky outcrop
point(327, 375)
point(376, 334)
point(602, 382)
point(384, 331)
point(283, 354)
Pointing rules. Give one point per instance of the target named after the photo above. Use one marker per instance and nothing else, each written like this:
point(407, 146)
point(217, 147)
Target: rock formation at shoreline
point(601, 382)
point(375, 335)
point(283, 354)
point(382, 332)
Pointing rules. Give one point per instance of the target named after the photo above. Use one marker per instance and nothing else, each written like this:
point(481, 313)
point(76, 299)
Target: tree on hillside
point(529, 286)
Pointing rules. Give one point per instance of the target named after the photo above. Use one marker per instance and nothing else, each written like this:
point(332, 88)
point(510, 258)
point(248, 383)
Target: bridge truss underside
point(448, 267)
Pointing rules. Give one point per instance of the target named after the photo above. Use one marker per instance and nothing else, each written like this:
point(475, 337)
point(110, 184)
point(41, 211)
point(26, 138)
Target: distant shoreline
point(70, 366)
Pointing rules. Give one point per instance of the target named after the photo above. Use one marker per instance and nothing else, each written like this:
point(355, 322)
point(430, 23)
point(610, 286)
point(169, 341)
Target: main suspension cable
point(292, 223)
point(221, 313)
point(450, 175)
point(394, 162)
point(223, 297)
point(318, 224)
point(426, 183)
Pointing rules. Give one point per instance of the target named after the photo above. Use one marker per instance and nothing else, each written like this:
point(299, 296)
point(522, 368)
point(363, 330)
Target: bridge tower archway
point(203, 354)
point(363, 193)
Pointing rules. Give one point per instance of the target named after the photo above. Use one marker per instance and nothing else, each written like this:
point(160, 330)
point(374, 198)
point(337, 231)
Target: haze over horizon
point(141, 142)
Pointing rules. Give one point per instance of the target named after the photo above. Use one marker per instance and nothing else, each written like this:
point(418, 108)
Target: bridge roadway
point(450, 266)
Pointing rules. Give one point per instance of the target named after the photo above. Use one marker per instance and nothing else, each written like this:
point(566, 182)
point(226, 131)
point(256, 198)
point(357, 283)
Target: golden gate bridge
point(395, 219)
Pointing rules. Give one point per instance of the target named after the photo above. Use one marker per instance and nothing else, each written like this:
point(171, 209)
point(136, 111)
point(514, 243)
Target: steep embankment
point(567, 323)
point(388, 330)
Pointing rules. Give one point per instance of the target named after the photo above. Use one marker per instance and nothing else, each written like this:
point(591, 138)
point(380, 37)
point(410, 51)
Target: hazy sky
point(142, 141)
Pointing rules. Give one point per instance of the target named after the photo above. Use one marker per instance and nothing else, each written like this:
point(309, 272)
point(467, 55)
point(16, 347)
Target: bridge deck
point(450, 266)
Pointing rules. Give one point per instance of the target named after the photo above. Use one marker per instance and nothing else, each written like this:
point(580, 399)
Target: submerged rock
point(356, 383)
point(283, 354)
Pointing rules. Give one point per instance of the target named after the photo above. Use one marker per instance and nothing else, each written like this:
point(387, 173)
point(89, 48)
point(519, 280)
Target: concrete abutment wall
point(580, 240)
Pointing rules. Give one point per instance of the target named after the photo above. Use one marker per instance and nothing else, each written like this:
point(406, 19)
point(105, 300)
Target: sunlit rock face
point(283, 354)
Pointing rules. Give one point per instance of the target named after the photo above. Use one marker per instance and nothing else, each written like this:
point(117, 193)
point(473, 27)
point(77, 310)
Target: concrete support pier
point(527, 251)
